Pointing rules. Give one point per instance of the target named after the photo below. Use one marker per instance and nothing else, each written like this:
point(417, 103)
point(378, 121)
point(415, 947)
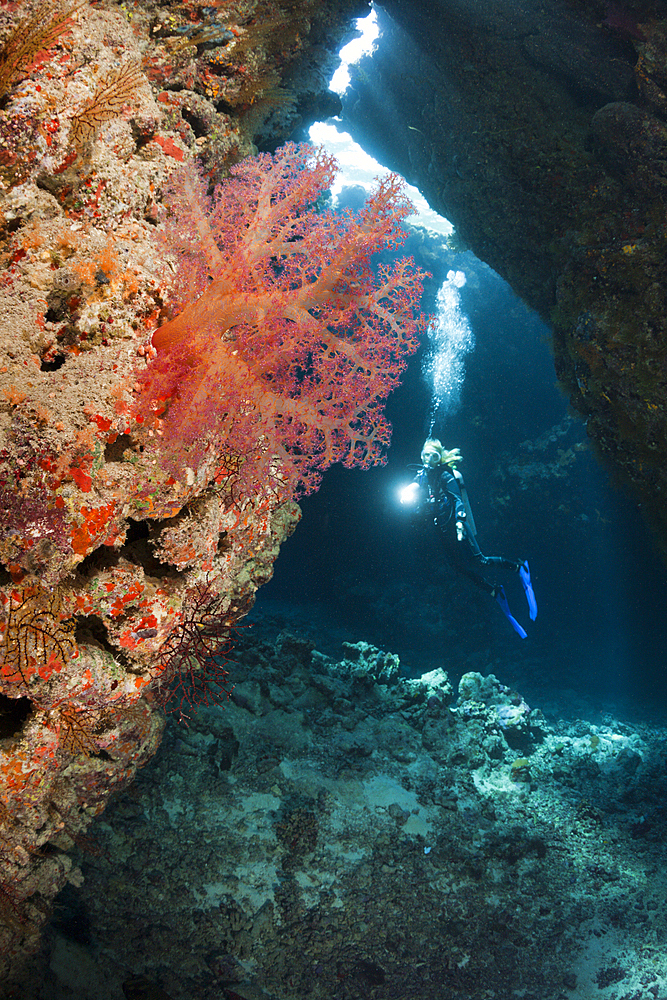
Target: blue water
point(358, 564)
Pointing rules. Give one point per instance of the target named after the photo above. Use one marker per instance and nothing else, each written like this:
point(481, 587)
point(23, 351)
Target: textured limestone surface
point(115, 574)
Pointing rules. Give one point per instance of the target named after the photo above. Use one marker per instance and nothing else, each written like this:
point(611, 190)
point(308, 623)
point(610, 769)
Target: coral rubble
point(342, 831)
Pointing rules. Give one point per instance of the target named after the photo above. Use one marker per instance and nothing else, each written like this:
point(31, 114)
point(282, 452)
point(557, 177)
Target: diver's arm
point(422, 491)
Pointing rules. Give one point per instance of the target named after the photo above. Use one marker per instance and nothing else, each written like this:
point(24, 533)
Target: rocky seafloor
point(337, 830)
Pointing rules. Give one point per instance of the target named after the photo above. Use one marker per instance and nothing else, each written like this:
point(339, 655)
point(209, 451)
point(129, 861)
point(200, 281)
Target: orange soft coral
point(289, 344)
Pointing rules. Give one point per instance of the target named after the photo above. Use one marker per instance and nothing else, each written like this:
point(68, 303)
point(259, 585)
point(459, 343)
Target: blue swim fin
point(524, 573)
point(502, 601)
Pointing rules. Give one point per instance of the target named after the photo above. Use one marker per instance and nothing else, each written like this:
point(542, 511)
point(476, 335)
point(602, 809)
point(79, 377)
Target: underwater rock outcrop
point(540, 130)
point(117, 579)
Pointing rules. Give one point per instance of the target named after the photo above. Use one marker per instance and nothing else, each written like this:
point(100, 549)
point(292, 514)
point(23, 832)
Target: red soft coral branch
point(286, 344)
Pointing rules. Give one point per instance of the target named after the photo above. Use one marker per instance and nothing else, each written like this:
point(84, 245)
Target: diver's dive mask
point(430, 458)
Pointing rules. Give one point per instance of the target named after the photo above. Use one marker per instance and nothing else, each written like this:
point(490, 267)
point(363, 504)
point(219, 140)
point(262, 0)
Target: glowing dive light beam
point(408, 494)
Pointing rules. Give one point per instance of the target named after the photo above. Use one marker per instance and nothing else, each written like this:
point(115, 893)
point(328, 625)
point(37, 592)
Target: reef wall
point(117, 579)
point(539, 130)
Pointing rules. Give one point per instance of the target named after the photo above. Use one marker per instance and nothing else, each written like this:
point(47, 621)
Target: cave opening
point(540, 487)
point(13, 714)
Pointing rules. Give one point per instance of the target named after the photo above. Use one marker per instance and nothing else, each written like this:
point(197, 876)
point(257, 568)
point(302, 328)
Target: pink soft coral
point(288, 345)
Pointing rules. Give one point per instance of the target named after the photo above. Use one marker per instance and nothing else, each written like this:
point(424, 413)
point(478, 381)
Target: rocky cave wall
point(112, 573)
point(539, 130)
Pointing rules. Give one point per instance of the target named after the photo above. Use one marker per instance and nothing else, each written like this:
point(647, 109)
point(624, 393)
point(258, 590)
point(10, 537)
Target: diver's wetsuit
point(440, 494)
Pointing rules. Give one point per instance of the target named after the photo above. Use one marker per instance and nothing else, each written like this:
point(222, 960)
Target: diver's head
point(431, 453)
point(434, 454)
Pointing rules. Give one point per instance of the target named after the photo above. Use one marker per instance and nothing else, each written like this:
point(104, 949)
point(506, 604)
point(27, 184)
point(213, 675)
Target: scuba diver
point(439, 490)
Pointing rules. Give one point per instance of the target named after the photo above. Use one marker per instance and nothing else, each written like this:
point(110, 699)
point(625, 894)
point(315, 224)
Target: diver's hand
point(459, 531)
